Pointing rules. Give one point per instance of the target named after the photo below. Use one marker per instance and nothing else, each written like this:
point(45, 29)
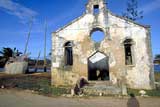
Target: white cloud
point(13, 8)
point(150, 7)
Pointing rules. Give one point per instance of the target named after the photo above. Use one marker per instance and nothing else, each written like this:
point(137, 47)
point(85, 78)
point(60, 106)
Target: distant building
point(122, 57)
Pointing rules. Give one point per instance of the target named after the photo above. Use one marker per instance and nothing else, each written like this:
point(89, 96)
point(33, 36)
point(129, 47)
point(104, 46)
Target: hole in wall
point(97, 36)
point(96, 9)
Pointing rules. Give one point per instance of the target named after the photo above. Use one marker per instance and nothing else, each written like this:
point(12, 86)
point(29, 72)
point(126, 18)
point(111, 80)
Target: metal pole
point(45, 62)
point(37, 61)
point(29, 33)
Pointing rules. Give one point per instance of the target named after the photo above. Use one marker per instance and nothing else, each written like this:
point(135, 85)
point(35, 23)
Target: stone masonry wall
point(116, 30)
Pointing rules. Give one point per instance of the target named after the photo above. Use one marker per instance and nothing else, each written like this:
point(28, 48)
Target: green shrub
point(38, 83)
point(155, 93)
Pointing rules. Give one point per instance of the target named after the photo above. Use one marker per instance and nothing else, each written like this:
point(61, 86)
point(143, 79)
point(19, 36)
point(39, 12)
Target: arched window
point(128, 51)
point(68, 57)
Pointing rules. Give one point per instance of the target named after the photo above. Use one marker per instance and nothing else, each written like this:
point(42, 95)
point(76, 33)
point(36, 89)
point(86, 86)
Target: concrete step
point(107, 83)
point(102, 88)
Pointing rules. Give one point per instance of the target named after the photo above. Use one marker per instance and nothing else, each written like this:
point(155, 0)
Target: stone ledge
point(102, 90)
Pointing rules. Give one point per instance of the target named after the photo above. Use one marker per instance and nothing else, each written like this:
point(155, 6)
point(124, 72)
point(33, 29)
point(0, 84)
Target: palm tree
point(6, 53)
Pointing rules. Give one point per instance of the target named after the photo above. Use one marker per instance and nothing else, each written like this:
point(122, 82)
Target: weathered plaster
point(116, 30)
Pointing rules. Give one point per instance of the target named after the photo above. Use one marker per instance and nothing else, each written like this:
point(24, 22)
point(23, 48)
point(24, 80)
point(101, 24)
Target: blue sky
point(15, 16)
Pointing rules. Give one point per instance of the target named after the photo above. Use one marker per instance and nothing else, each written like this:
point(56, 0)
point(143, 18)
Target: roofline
point(145, 26)
point(76, 19)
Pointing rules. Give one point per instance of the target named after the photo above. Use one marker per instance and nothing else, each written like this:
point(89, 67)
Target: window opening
point(97, 36)
point(96, 9)
point(68, 54)
point(128, 52)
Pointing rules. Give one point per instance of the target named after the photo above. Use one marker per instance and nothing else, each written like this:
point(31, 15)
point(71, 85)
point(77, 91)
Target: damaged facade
point(122, 57)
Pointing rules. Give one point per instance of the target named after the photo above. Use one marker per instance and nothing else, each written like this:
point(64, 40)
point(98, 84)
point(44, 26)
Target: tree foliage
point(157, 56)
point(132, 11)
point(7, 52)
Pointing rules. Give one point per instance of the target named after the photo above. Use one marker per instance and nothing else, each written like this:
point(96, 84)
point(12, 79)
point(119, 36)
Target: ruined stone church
point(123, 56)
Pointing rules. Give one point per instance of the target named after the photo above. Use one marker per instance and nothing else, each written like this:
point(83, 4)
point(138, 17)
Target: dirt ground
point(15, 98)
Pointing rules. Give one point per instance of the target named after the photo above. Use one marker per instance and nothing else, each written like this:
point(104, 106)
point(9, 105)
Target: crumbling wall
point(137, 75)
point(116, 30)
point(16, 68)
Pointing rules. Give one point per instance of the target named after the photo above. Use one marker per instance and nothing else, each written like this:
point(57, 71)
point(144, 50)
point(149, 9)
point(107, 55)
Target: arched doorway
point(98, 67)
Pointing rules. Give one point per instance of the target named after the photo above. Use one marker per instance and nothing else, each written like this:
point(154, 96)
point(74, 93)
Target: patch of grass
point(40, 83)
point(57, 91)
point(155, 93)
point(49, 90)
point(134, 91)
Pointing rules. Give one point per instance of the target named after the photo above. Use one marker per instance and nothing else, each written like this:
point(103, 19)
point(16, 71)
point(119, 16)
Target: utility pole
point(36, 65)
point(45, 61)
point(29, 33)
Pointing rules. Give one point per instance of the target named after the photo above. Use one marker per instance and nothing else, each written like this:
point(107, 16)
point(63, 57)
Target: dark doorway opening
point(98, 69)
